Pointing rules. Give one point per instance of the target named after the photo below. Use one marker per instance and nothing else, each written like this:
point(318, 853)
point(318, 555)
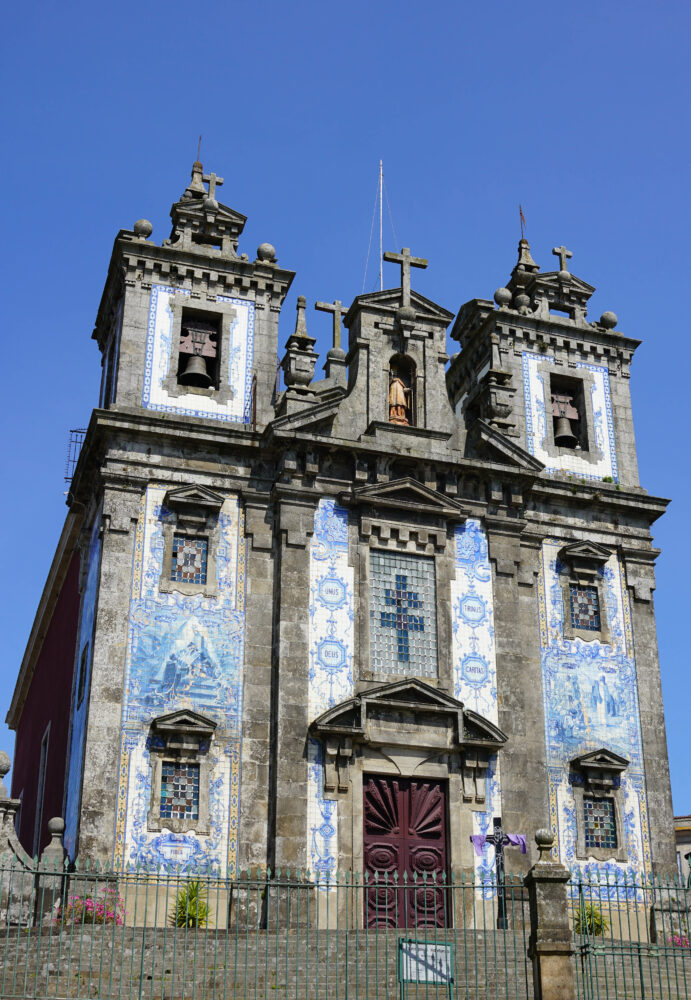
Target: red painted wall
point(48, 700)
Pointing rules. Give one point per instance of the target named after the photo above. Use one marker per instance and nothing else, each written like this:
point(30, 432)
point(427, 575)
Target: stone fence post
point(549, 946)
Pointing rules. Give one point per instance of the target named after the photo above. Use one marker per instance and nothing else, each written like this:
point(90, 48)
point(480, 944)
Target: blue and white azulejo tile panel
point(184, 652)
point(590, 698)
point(538, 411)
point(237, 368)
point(474, 660)
point(331, 644)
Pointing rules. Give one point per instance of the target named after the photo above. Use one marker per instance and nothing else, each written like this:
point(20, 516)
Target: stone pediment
point(552, 286)
point(584, 559)
point(406, 495)
point(184, 721)
point(409, 712)
point(390, 298)
point(487, 441)
point(193, 496)
point(603, 760)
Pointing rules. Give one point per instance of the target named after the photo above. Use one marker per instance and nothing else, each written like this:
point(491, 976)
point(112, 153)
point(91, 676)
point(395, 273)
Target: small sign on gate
point(424, 962)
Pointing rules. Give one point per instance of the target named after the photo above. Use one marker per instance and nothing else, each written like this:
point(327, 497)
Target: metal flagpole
point(381, 247)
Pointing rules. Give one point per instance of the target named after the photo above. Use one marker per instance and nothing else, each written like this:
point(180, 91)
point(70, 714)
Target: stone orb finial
point(56, 826)
point(545, 842)
point(609, 320)
point(266, 253)
point(503, 297)
point(210, 204)
point(5, 764)
point(143, 229)
point(405, 314)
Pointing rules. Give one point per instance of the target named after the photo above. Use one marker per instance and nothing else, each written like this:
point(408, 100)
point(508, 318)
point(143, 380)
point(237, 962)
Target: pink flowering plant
point(678, 941)
point(104, 907)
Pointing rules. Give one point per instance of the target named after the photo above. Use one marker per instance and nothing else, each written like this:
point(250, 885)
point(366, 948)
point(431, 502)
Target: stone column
point(549, 946)
point(51, 873)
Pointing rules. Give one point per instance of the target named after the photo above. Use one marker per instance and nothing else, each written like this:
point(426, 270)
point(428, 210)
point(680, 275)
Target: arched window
point(402, 390)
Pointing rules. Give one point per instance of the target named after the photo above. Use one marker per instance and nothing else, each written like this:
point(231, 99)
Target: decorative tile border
point(590, 700)
point(238, 373)
point(331, 644)
point(535, 393)
point(183, 652)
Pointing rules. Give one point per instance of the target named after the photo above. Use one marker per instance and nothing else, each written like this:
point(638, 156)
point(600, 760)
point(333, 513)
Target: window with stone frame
point(584, 607)
point(599, 821)
point(581, 567)
point(179, 745)
point(596, 781)
point(403, 614)
point(191, 536)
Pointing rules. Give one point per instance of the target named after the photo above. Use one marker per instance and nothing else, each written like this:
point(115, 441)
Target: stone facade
point(382, 570)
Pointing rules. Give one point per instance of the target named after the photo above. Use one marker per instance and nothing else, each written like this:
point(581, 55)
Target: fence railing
point(288, 935)
point(630, 935)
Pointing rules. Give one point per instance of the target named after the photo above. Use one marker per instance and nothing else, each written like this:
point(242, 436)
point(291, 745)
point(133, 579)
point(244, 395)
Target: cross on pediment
point(338, 311)
point(212, 180)
point(563, 254)
point(406, 261)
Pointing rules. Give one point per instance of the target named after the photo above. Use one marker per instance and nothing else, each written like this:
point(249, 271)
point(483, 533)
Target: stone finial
point(266, 253)
point(143, 229)
point(301, 319)
point(525, 258)
point(300, 358)
point(196, 184)
point(545, 842)
point(503, 297)
point(609, 319)
point(5, 765)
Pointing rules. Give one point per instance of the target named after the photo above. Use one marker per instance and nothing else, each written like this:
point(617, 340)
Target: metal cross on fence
point(406, 261)
point(499, 840)
point(563, 254)
point(338, 311)
point(403, 601)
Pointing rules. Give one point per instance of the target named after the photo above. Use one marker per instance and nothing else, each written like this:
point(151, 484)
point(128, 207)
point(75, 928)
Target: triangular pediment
point(390, 298)
point(585, 550)
point(195, 208)
point(184, 720)
point(415, 699)
point(193, 496)
point(487, 441)
point(408, 495)
point(600, 760)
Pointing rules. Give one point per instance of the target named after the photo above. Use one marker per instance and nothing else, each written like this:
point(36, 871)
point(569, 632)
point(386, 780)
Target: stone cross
point(406, 261)
point(563, 254)
point(212, 181)
point(338, 311)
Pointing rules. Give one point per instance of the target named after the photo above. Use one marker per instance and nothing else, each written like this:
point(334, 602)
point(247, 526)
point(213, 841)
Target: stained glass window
point(403, 614)
point(179, 791)
point(585, 608)
point(189, 559)
point(600, 827)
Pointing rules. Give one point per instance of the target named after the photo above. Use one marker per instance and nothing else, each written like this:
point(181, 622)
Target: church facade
point(354, 622)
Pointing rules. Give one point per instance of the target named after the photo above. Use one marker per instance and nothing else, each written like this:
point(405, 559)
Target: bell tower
point(533, 368)
point(190, 327)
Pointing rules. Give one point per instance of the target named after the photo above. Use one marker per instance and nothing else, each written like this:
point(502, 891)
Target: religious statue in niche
point(400, 392)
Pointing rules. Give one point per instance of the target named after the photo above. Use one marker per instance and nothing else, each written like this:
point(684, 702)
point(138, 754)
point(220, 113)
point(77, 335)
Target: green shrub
point(191, 908)
point(589, 920)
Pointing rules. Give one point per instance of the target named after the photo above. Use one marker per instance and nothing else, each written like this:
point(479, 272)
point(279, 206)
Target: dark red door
point(405, 835)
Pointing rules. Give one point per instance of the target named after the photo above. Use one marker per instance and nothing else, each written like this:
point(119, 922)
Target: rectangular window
point(189, 559)
point(600, 826)
point(403, 615)
point(585, 608)
point(179, 790)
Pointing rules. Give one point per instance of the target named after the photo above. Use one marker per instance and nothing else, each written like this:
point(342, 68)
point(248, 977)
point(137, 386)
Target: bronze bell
point(563, 435)
point(195, 373)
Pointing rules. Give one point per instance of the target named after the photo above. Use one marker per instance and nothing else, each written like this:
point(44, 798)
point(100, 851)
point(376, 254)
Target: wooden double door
point(405, 822)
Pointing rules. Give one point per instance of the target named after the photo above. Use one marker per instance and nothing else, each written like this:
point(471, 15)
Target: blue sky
point(578, 111)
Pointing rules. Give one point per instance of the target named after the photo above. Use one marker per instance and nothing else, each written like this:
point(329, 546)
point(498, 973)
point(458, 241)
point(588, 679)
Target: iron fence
point(283, 935)
point(631, 935)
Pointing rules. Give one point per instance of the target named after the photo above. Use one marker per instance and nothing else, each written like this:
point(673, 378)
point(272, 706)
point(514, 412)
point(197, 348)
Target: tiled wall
point(79, 711)
point(184, 652)
point(237, 374)
point(538, 411)
point(591, 701)
point(474, 658)
point(331, 638)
